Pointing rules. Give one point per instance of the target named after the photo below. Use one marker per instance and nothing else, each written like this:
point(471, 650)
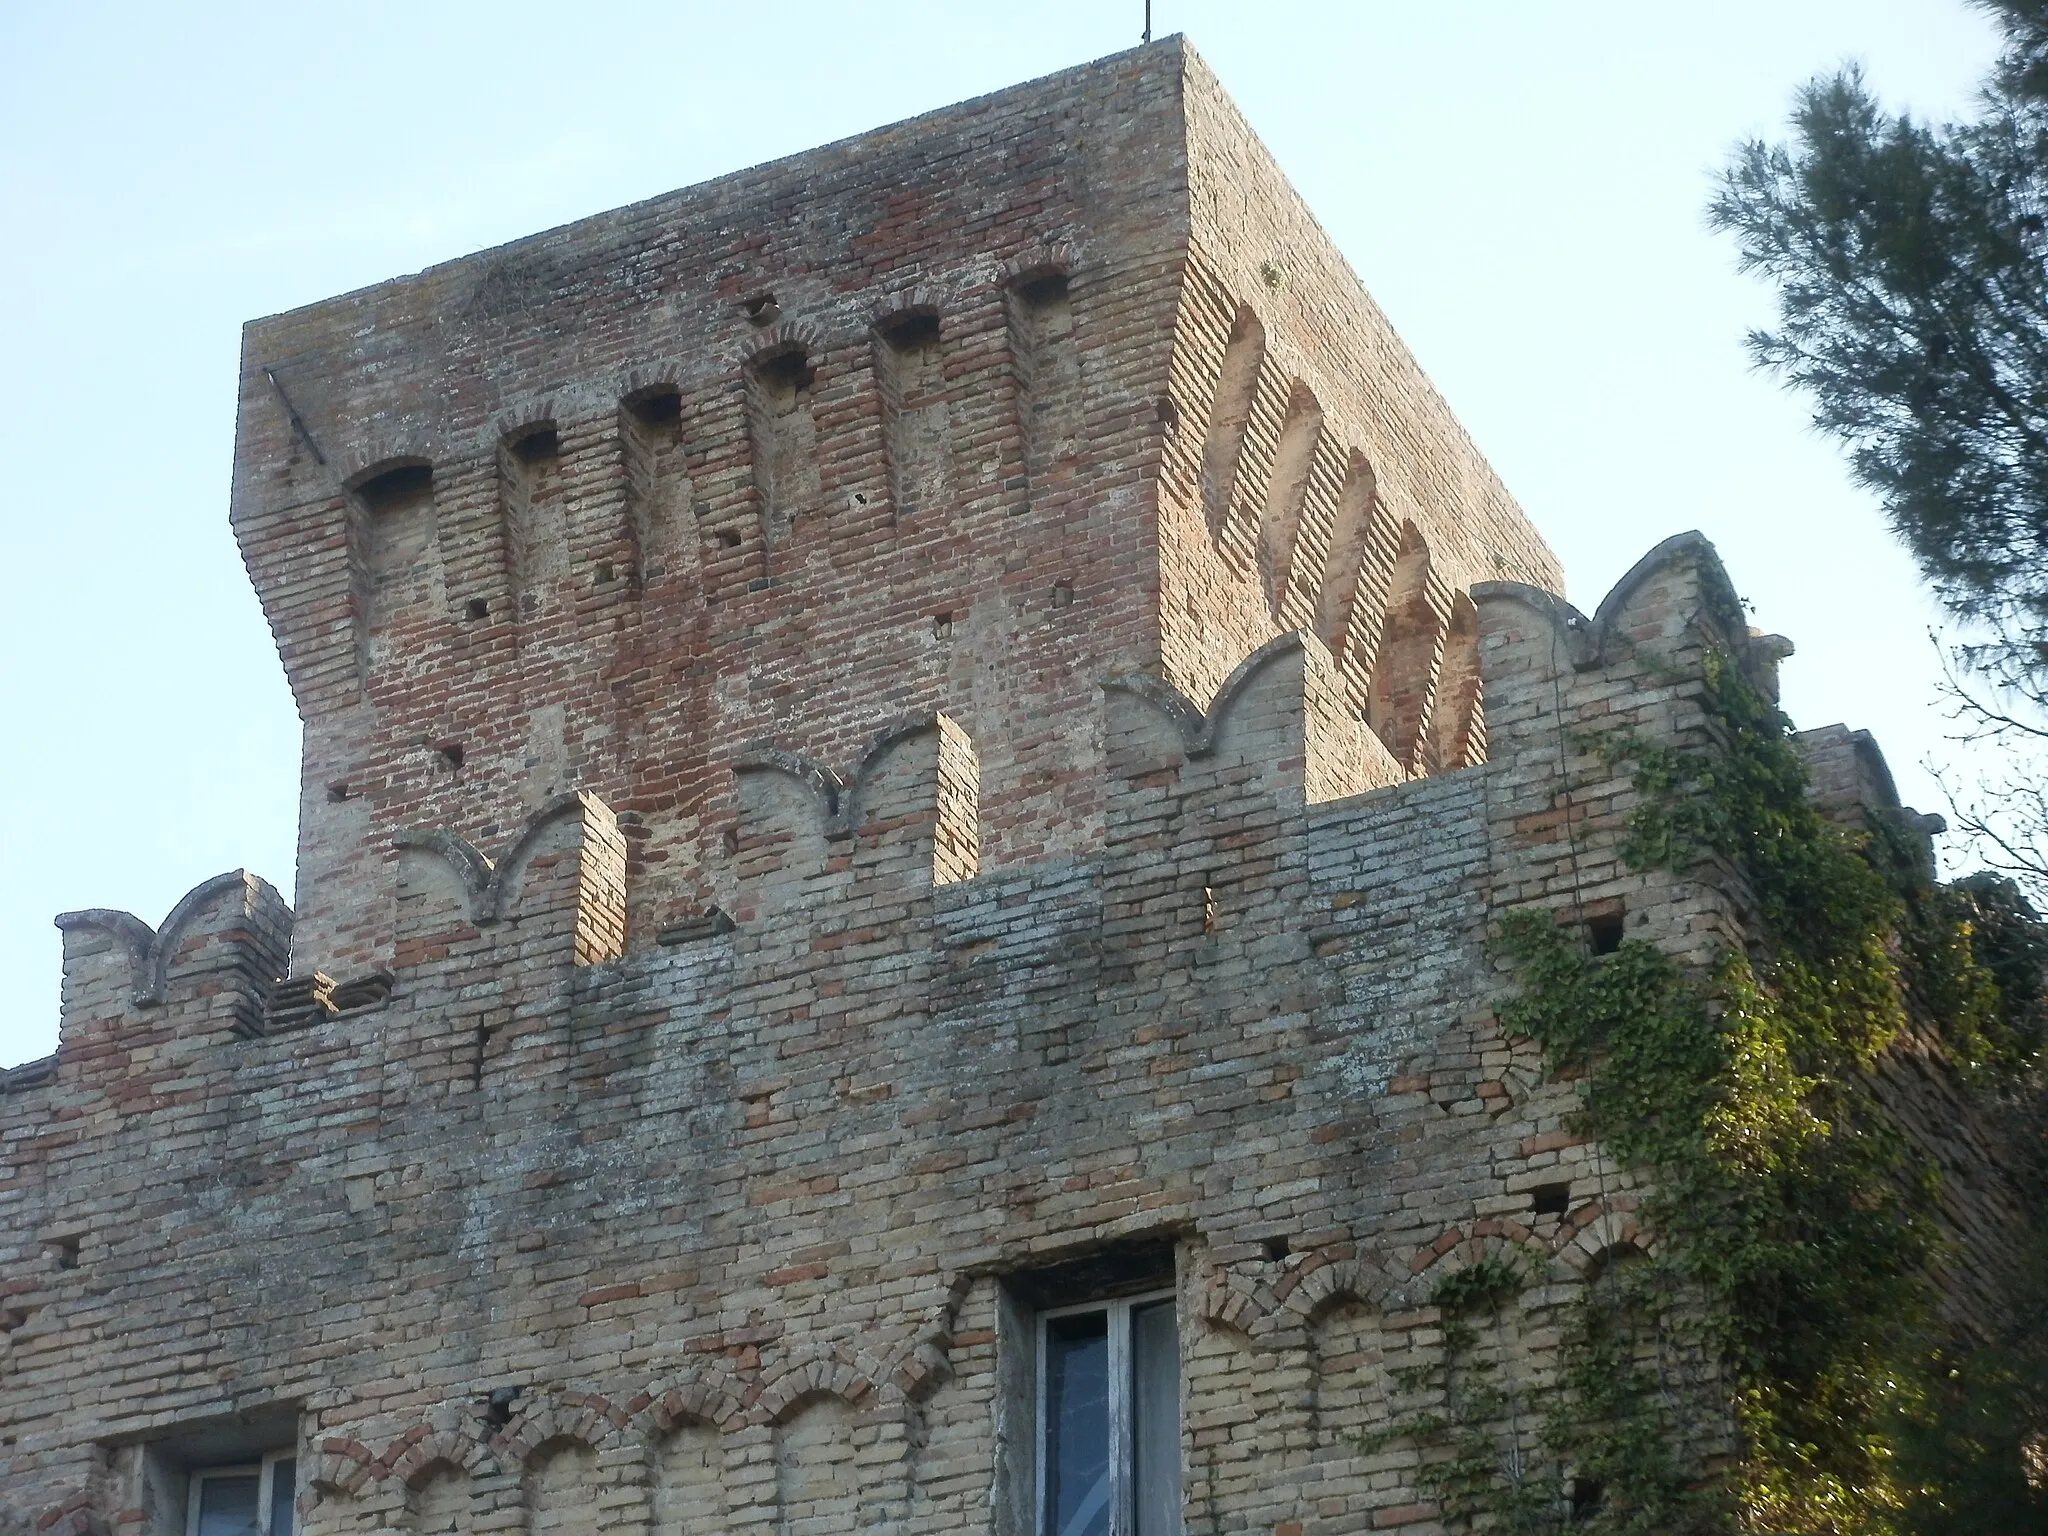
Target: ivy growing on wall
point(1778, 1364)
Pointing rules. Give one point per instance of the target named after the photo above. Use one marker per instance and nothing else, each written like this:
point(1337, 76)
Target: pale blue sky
point(1520, 184)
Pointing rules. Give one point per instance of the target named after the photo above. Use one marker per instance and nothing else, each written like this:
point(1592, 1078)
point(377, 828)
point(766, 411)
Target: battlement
point(1242, 1031)
point(813, 850)
point(966, 414)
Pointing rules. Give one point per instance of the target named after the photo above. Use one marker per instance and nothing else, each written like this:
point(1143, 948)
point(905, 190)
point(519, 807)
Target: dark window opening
point(65, 1251)
point(606, 572)
point(1277, 1248)
point(1041, 289)
point(788, 369)
point(1587, 1498)
point(761, 309)
point(337, 791)
point(659, 408)
point(1551, 1199)
point(450, 755)
point(478, 608)
point(401, 484)
point(1604, 933)
point(942, 626)
point(906, 332)
point(536, 444)
point(729, 537)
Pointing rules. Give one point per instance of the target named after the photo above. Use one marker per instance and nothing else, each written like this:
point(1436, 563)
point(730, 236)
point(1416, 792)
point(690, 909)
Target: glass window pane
point(1155, 1419)
point(1077, 1425)
point(227, 1505)
point(284, 1487)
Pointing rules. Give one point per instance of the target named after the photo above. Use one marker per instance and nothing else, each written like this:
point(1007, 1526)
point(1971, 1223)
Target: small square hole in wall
point(729, 538)
point(1604, 932)
point(761, 309)
point(449, 755)
point(1551, 1199)
point(606, 573)
point(337, 791)
point(1587, 1497)
point(477, 608)
point(1062, 594)
point(64, 1250)
point(1277, 1248)
point(942, 626)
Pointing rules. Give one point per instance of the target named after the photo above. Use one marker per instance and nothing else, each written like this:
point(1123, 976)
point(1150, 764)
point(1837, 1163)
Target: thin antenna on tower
point(1148, 23)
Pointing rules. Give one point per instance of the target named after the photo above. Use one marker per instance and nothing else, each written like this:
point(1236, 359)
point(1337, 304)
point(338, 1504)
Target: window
point(252, 1500)
point(1109, 1419)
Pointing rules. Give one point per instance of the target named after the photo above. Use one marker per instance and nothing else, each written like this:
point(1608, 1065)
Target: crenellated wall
point(907, 736)
point(738, 1230)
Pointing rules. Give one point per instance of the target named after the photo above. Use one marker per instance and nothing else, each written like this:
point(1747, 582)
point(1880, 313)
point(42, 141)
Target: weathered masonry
point(908, 758)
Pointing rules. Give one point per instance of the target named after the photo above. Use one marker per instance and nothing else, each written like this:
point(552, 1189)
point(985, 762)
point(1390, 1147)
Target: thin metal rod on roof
point(1148, 23)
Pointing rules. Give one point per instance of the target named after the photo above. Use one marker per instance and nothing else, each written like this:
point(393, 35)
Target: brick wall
point(988, 769)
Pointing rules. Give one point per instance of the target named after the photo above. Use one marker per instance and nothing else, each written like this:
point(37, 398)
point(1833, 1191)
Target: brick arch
point(412, 1457)
point(1599, 1232)
point(704, 1395)
point(918, 1367)
point(1326, 1282)
point(923, 299)
point(1458, 1249)
point(784, 335)
point(1457, 720)
point(1236, 1302)
point(1405, 671)
point(641, 380)
point(407, 448)
point(1045, 259)
point(340, 1467)
point(829, 1370)
point(578, 1416)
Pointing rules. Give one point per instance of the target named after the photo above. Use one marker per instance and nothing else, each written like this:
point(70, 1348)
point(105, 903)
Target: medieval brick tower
point(908, 755)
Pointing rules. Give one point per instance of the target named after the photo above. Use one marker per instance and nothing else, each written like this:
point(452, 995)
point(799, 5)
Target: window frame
point(1122, 1446)
point(265, 1473)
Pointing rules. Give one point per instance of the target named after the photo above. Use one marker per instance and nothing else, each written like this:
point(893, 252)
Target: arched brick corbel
point(923, 299)
point(1235, 1303)
point(1458, 1249)
point(356, 465)
point(827, 1370)
point(582, 1417)
point(1325, 1282)
point(340, 1467)
point(918, 1368)
point(706, 1394)
point(783, 336)
point(1601, 1233)
point(411, 1458)
point(1046, 259)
